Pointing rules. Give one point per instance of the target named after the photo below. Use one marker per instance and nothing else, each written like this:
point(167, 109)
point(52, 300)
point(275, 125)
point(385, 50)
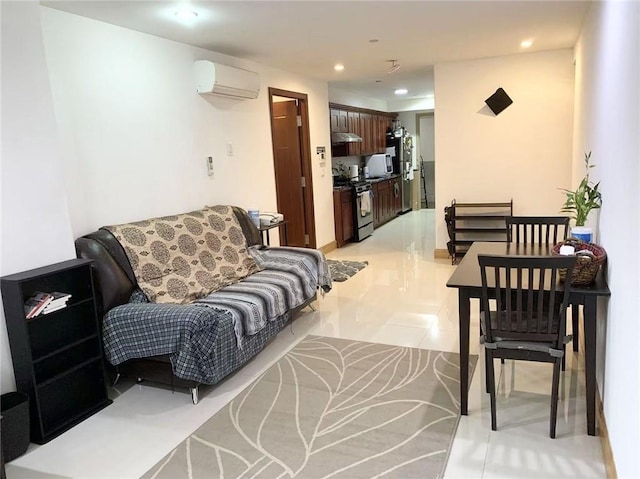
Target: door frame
point(305, 157)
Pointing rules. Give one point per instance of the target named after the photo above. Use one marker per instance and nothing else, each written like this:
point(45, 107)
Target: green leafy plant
point(585, 198)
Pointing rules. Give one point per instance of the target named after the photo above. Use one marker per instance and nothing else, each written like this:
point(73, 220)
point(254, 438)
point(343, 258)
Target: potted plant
point(580, 202)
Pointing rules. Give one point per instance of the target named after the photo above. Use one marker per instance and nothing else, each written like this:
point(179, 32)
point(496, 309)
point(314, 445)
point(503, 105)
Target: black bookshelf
point(57, 357)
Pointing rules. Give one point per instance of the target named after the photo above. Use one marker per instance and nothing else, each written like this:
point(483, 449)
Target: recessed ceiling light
point(401, 91)
point(526, 43)
point(186, 15)
point(339, 67)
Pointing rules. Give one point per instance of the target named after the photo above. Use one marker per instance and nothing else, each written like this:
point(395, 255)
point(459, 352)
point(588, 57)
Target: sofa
point(160, 320)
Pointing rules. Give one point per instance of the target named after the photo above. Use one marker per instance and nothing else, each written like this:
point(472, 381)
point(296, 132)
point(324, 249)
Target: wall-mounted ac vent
point(223, 80)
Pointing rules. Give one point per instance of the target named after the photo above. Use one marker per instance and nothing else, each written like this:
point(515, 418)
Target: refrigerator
point(400, 149)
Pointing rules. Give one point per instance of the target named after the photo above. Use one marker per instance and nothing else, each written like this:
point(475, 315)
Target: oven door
point(363, 213)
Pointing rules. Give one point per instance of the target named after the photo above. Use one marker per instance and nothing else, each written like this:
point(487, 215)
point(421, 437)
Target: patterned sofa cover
point(208, 337)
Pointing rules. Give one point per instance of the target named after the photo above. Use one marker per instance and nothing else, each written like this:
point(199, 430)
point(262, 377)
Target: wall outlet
point(210, 166)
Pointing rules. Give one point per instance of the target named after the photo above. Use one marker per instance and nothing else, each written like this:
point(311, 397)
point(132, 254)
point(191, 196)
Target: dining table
point(466, 279)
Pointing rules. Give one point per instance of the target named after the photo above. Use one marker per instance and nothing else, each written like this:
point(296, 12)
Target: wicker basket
point(587, 265)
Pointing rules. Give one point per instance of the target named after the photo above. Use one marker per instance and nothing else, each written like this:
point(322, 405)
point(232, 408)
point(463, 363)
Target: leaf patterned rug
point(343, 270)
point(331, 408)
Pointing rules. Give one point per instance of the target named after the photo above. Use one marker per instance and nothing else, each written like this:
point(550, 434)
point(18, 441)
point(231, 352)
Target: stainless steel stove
point(363, 209)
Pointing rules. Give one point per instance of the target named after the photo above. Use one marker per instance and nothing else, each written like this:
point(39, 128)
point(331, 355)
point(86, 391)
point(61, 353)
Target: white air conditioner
point(223, 80)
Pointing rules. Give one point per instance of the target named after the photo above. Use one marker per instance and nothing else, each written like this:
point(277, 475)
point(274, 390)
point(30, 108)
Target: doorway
point(426, 157)
point(292, 164)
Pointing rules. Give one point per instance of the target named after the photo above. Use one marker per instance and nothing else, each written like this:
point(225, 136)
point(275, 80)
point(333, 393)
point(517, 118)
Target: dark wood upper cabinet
point(353, 126)
point(370, 125)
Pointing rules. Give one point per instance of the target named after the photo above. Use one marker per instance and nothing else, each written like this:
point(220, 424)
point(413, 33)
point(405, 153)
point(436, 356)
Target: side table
point(264, 232)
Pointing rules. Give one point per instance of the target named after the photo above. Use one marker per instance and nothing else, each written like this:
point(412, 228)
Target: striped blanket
point(289, 277)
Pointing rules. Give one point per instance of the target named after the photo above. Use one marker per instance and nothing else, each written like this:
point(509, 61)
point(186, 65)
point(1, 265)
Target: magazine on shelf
point(36, 303)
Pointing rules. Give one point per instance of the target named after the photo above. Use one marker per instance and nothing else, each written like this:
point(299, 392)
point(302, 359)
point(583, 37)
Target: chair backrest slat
point(546, 230)
point(530, 303)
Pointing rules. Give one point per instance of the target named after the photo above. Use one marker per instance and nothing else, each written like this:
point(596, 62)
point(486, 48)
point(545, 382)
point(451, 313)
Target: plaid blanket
point(193, 333)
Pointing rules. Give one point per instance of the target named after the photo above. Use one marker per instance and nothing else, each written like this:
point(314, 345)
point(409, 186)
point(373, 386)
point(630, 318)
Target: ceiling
point(310, 37)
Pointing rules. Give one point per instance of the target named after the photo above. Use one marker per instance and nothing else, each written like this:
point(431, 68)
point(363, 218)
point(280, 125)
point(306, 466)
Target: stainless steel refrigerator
point(400, 149)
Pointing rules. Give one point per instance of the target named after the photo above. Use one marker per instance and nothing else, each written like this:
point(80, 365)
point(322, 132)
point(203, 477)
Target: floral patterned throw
point(181, 258)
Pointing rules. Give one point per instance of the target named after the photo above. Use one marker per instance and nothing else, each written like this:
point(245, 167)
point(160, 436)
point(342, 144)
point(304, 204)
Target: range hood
point(345, 138)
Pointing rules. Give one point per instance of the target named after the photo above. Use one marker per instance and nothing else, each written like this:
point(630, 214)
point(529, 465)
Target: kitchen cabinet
point(57, 356)
point(353, 126)
point(339, 121)
point(383, 123)
point(370, 125)
point(387, 201)
point(396, 195)
point(366, 132)
point(343, 206)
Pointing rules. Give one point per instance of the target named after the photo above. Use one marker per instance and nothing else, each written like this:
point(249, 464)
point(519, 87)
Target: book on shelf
point(59, 301)
point(36, 303)
point(51, 308)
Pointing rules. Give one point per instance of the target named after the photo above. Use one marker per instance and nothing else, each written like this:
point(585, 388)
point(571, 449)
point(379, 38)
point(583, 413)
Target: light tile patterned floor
point(400, 298)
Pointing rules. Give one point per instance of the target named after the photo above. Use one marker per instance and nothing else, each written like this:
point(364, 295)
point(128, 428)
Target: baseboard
point(329, 247)
point(441, 254)
point(603, 432)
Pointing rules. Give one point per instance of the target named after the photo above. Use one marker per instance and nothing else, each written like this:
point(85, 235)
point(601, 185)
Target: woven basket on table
point(587, 266)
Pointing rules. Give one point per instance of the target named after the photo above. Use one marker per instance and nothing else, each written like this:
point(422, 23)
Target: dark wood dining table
point(466, 278)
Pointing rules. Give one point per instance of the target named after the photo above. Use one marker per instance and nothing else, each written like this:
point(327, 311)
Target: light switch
point(210, 166)
point(229, 149)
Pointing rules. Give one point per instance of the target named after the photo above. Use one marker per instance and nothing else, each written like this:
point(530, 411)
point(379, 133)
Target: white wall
point(35, 219)
point(411, 104)
point(607, 122)
point(524, 153)
point(343, 97)
point(135, 135)
point(102, 125)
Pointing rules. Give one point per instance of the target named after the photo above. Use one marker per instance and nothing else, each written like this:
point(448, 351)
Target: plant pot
point(15, 425)
point(583, 233)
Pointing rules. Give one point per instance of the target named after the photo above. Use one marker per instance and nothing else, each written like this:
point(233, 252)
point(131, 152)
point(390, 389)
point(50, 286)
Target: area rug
point(343, 270)
point(331, 408)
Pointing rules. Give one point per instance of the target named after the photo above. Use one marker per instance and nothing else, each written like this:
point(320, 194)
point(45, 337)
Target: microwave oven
point(379, 166)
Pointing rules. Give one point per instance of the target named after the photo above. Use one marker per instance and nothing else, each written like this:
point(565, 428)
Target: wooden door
point(288, 170)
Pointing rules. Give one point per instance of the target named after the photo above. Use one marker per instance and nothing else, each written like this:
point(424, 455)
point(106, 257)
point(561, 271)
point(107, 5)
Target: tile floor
point(400, 298)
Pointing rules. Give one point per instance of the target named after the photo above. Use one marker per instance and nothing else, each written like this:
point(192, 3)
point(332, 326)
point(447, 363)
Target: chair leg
point(491, 384)
point(487, 359)
point(575, 309)
point(554, 398)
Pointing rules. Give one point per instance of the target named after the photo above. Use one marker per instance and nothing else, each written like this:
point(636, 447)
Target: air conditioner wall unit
point(227, 81)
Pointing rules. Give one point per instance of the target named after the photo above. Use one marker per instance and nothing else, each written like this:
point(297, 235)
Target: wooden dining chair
point(546, 230)
point(528, 322)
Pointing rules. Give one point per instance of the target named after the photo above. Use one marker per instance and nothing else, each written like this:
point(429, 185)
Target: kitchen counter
point(378, 180)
